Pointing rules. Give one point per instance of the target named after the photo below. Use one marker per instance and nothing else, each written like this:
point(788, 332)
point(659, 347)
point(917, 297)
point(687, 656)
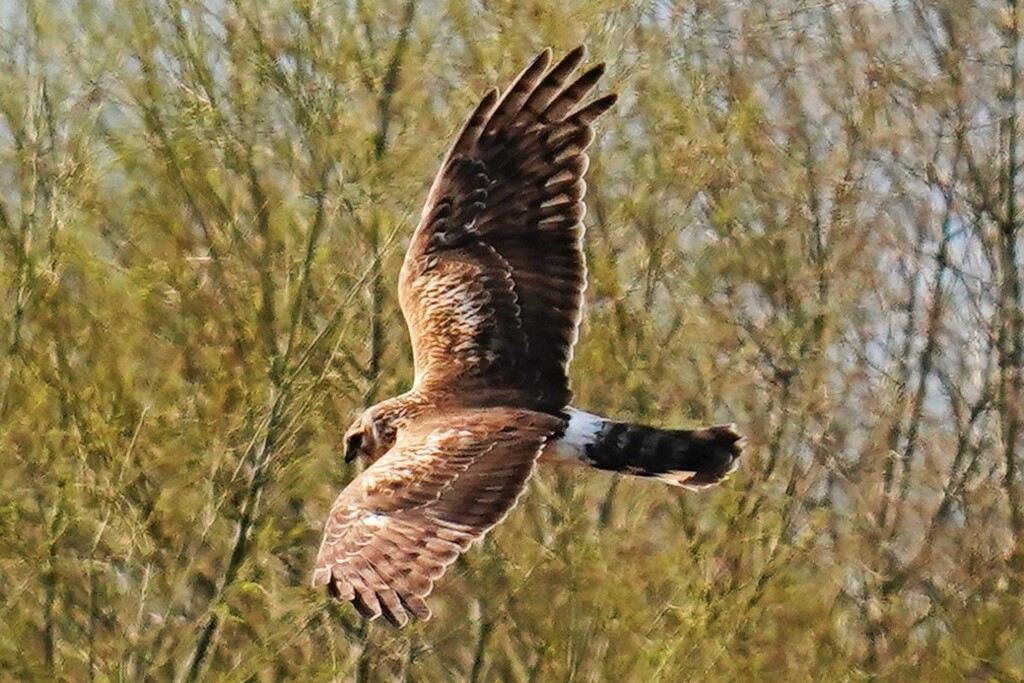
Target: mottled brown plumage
point(492, 284)
point(492, 292)
point(394, 530)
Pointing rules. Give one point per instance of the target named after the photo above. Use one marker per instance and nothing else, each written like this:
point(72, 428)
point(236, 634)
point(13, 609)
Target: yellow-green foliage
point(803, 218)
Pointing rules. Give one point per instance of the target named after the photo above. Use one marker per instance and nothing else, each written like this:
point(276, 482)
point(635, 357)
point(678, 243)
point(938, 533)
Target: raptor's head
point(371, 435)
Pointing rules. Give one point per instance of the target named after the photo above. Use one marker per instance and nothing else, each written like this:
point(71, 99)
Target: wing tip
point(596, 71)
point(396, 608)
point(589, 112)
point(533, 70)
point(321, 577)
point(577, 54)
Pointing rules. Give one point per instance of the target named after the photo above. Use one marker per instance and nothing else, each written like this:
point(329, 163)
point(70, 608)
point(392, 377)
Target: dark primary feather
point(493, 280)
point(395, 529)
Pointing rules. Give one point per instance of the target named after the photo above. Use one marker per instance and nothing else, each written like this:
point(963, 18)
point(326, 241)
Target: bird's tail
point(692, 458)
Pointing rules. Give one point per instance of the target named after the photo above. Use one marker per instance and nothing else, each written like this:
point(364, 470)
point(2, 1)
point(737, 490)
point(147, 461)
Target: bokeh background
point(805, 217)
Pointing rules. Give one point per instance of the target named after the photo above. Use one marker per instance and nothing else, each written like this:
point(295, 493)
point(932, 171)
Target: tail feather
point(692, 458)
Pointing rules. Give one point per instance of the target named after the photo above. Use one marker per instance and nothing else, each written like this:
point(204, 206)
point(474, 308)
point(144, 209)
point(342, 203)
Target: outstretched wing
point(492, 284)
point(395, 528)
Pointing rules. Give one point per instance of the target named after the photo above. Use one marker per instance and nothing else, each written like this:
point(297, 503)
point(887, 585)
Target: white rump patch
point(581, 431)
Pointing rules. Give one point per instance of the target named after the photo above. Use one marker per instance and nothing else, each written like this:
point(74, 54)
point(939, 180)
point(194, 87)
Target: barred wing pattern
point(395, 529)
point(492, 284)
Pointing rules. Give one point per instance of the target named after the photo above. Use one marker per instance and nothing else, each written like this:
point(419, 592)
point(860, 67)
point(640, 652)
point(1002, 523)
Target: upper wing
point(446, 482)
point(492, 284)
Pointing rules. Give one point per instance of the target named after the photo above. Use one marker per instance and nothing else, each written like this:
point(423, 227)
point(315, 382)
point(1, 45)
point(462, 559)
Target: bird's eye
point(352, 445)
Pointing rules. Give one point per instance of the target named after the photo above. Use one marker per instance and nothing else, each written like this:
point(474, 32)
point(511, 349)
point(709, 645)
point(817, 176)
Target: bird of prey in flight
point(492, 292)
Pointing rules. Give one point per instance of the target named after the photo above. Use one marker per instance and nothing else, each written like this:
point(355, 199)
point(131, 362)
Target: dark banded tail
point(694, 458)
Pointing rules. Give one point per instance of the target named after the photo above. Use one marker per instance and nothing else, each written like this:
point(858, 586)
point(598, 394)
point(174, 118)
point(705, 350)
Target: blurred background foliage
point(804, 217)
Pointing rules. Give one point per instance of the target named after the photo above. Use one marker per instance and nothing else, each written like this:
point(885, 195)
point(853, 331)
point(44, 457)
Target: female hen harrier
point(492, 291)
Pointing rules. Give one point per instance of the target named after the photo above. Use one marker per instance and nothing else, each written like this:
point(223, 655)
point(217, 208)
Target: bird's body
point(492, 291)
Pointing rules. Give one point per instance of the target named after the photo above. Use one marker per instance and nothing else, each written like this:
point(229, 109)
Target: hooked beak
point(353, 445)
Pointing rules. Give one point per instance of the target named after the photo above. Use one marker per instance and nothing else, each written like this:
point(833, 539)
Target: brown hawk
point(492, 291)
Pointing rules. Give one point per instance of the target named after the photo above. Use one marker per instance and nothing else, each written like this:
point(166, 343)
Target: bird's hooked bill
point(353, 444)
